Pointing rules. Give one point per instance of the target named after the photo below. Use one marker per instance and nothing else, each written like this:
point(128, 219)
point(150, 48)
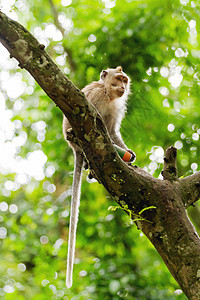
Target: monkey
point(109, 96)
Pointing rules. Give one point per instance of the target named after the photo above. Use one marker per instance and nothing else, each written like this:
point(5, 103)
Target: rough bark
point(159, 204)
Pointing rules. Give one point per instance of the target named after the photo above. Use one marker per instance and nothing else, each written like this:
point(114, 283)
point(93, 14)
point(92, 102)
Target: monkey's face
point(118, 86)
point(116, 81)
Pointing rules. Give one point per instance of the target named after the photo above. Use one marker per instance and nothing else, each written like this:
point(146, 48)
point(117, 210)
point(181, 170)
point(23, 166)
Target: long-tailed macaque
point(109, 96)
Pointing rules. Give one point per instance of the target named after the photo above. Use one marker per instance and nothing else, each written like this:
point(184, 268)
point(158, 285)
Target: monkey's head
point(116, 82)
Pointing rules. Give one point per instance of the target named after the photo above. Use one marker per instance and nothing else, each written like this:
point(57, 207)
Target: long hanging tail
point(75, 202)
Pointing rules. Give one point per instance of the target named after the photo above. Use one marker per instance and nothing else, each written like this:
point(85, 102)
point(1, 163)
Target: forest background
point(157, 43)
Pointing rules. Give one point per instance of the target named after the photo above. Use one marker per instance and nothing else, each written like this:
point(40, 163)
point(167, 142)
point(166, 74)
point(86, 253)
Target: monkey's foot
point(92, 177)
point(85, 164)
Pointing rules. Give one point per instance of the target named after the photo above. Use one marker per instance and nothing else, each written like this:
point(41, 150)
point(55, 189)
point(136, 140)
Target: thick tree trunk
point(158, 205)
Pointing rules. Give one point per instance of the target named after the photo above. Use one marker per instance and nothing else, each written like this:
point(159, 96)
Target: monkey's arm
point(117, 139)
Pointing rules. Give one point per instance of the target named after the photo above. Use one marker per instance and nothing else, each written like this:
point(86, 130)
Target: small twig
point(170, 170)
point(62, 30)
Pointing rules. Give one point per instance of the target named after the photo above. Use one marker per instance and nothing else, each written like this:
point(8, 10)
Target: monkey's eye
point(113, 84)
point(119, 78)
point(125, 80)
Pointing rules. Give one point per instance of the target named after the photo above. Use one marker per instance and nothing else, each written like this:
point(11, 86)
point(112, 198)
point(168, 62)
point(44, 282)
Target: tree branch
point(190, 189)
point(84, 119)
point(157, 201)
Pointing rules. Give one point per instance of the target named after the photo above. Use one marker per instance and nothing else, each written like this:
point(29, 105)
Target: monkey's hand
point(133, 155)
point(85, 164)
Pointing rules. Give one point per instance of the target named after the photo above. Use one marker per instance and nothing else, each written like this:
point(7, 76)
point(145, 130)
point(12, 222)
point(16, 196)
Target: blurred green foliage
point(157, 43)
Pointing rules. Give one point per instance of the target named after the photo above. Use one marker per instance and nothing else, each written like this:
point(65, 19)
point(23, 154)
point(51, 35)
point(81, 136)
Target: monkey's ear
point(103, 74)
point(119, 69)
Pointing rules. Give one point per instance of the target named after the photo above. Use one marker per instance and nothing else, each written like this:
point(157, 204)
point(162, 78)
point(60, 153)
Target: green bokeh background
point(157, 43)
